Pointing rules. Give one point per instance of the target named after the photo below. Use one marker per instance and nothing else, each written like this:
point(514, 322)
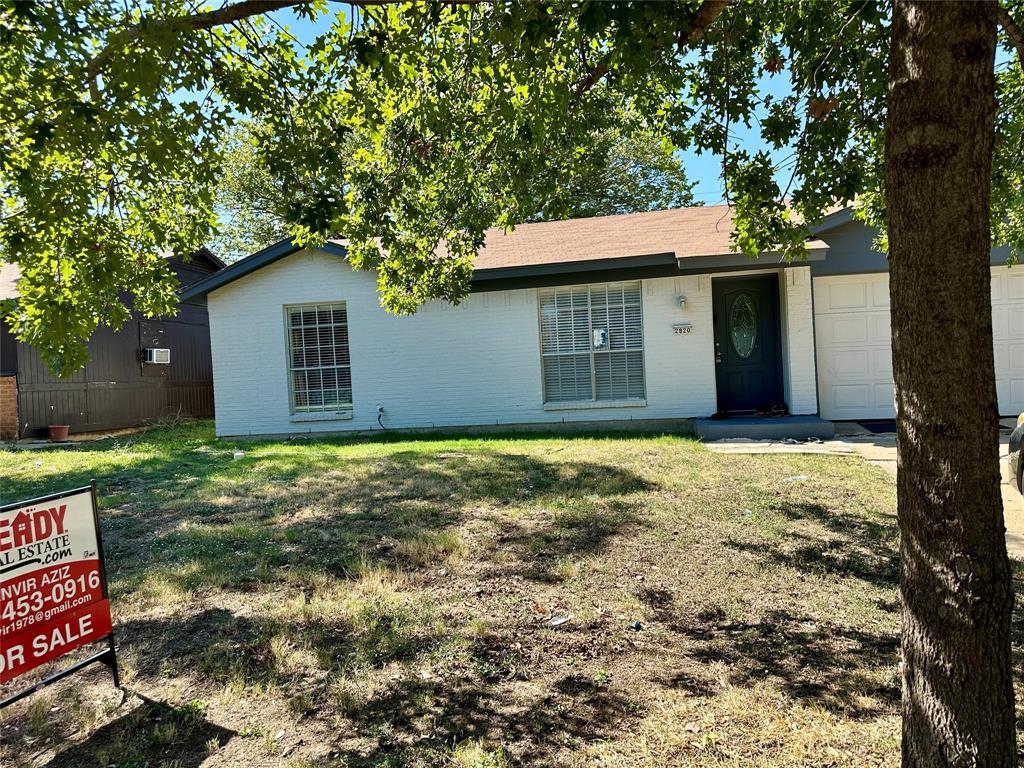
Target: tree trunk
point(958, 707)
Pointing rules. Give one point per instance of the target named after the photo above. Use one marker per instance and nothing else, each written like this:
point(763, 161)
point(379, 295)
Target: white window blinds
point(320, 373)
point(592, 343)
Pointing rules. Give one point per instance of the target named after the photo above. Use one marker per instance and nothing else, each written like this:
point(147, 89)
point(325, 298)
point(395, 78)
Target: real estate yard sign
point(53, 587)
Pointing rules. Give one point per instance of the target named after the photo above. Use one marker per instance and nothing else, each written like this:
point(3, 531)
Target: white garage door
point(851, 323)
point(851, 333)
point(1008, 330)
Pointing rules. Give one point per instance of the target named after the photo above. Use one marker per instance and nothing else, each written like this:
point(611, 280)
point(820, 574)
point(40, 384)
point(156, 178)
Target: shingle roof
point(686, 232)
point(573, 245)
point(10, 273)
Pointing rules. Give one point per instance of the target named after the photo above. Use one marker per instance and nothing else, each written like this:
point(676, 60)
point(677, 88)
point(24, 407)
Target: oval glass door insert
point(743, 325)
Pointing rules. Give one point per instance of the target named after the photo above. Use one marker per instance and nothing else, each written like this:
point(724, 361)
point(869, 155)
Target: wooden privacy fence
point(116, 388)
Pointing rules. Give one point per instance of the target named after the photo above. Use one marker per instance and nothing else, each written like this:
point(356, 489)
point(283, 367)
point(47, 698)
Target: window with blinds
point(320, 372)
point(592, 343)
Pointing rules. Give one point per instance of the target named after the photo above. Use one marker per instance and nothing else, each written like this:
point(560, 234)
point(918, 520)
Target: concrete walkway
point(880, 450)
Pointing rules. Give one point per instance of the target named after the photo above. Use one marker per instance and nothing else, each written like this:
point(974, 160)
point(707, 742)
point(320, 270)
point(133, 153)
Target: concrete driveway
point(880, 449)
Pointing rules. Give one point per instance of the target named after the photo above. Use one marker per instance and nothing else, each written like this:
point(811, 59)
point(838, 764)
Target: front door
point(748, 359)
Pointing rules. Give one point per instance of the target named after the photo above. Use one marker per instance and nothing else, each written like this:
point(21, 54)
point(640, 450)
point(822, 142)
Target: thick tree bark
point(958, 707)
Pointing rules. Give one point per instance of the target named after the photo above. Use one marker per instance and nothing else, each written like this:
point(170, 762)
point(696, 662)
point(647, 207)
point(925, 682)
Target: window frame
point(593, 402)
point(313, 413)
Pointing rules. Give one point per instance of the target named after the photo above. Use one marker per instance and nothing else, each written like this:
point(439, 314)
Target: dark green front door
point(748, 359)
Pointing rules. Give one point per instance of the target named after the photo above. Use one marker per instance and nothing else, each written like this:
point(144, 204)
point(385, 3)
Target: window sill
point(302, 416)
point(587, 405)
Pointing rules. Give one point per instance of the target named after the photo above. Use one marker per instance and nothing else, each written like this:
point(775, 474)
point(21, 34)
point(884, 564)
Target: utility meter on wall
point(600, 338)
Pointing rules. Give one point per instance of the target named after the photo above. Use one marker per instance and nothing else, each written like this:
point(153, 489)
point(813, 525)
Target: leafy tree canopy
point(469, 115)
point(623, 172)
point(249, 202)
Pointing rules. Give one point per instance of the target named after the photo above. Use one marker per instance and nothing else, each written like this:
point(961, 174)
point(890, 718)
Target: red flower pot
point(58, 433)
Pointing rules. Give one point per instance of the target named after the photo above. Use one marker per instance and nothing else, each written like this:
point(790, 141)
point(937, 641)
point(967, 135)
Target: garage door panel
point(880, 294)
point(854, 362)
point(1015, 358)
point(1014, 284)
point(851, 362)
point(883, 399)
point(881, 328)
point(848, 330)
point(1015, 324)
point(852, 395)
point(847, 296)
point(854, 358)
point(1000, 321)
point(997, 288)
point(881, 364)
point(1008, 330)
point(1002, 356)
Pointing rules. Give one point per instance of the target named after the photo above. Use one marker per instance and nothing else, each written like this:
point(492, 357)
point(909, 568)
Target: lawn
point(526, 600)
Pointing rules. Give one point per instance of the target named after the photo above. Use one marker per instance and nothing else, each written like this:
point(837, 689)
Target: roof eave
point(250, 264)
point(569, 267)
point(833, 220)
point(816, 251)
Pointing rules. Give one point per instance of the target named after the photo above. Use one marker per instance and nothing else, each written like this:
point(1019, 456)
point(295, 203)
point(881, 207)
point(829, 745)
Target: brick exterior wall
point(475, 364)
point(8, 407)
point(798, 340)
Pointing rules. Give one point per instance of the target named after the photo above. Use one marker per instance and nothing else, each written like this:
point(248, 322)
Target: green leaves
point(108, 154)
point(410, 129)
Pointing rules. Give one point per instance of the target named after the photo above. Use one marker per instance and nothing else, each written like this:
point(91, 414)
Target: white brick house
point(640, 317)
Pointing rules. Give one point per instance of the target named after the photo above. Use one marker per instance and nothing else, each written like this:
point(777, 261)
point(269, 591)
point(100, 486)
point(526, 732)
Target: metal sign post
point(53, 586)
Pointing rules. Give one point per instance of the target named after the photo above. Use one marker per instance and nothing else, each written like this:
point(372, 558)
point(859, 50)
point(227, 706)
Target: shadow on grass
point(191, 523)
point(179, 502)
point(411, 713)
point(854, 547)
point(286, 517)
point(151, 734)
point(839, 667)
point(202, 522)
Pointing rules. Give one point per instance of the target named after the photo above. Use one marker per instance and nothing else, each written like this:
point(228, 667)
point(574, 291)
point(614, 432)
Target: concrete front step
point(765, 428)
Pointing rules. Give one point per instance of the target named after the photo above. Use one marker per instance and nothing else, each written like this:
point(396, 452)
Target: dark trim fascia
point(738, 260)
point(625, 272)
point(507, 278)
point(611, 270)
point(574, 267)
point(249, 264)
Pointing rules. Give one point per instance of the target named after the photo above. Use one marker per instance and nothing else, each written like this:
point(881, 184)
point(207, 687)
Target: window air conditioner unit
point(156, 356)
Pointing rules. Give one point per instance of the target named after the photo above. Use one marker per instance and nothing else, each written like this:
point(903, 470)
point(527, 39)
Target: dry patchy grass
point(475, 602)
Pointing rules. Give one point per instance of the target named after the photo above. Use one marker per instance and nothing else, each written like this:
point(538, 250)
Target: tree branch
point(700, 23)
point(1013, 32)
point(706, 15)
point(226, 14)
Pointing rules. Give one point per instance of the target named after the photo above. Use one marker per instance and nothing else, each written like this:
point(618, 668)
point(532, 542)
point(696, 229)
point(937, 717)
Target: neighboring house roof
point(11, 273)
point(695, 238)
point(205, 256)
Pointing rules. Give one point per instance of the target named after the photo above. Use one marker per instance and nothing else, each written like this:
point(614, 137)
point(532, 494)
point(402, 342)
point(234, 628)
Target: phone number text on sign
point(51, 586)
